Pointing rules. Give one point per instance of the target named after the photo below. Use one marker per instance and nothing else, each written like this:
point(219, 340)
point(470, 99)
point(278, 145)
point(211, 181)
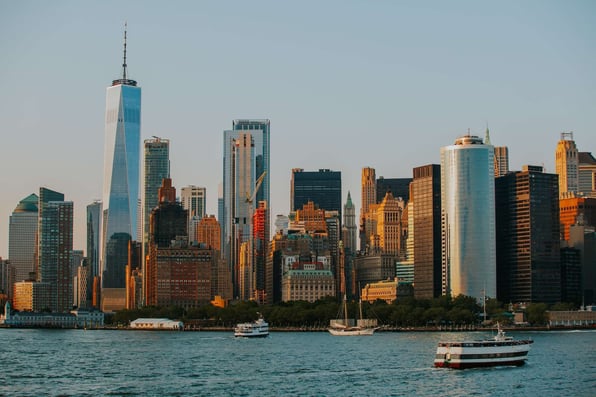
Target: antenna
point(124, 63)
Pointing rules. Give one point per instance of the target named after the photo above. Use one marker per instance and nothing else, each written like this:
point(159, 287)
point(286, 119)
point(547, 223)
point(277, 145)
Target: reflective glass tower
point(468, 218)
point(22, 237)
point(121, 175)
point(245, 159)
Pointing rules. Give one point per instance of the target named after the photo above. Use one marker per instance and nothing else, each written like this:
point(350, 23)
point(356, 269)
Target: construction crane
point(251, 197)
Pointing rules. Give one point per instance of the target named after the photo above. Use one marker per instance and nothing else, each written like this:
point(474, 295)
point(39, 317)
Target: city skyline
point(350, 86)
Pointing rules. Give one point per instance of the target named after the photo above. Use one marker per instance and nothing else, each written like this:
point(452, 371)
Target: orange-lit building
point(574, 210)
point(209, 232)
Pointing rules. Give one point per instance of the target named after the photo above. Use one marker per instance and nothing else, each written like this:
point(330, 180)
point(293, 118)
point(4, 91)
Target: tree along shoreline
point(461, 313)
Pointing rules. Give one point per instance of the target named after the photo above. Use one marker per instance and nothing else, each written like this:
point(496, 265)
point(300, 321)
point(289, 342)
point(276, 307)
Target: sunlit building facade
point(22, 234)
point(567, 165)
point(468, 218)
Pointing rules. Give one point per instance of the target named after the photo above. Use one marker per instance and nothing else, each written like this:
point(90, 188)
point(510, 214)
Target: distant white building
point(156, 324)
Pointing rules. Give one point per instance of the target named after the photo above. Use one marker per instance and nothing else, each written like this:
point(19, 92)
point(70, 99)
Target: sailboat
point(342, 328)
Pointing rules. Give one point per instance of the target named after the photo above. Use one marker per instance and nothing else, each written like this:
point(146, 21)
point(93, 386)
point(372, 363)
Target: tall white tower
point(468, 218)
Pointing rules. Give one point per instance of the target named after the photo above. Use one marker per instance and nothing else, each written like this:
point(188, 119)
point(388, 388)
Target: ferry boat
point(497, 351)
point(256, 329)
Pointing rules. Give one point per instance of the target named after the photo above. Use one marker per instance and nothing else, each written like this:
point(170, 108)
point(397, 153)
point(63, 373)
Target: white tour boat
point(497, 351)
point(256, 329)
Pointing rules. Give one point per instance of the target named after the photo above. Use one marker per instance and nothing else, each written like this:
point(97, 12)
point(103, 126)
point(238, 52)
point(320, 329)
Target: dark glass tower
point(527, 224)
point(426, 199)
point(323, 187)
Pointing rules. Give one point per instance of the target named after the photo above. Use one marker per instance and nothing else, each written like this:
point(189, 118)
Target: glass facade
point(22, 236)
point(245, 158)
point(93, 237)
point(322, 187)
point(121, 176)
point(156, 168)
point(468, 218)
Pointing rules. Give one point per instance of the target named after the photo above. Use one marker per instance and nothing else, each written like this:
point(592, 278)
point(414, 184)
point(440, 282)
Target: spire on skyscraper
point(487, 137)
point(124, 80)
point(124, 62)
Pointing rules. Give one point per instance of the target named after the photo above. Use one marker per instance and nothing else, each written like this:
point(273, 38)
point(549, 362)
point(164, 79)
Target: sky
point(346, 84)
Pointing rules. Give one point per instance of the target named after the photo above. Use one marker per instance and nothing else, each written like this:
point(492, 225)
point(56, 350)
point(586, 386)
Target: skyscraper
point(193, 199)
point(55, 247)
point(245, 161)
point(527, 222)
point(468, 216)
point(94, 237)
point(368, 197)
point(156, 168)
point(587, 174)
point(399, 187)
point(426, 218)
point(501, 158)
point(351, 230)
point(22, 236)
point(121, 178)
point(322, 187)
point(567, 165)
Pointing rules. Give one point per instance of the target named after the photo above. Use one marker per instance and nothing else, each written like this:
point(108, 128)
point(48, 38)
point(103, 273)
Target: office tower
point(55, 247)
point(566, 165)
point(121, 179)
point(94, 217)
point(383, 221)
point(426, 199)
point(193, 199)
point(22, 234)
point(368, 197)
point(583, 238)
point(7, 278)
point(399, 187)
point(323, 187)
point(209, 233)
point(587, 174)
point(528, 249)
point(81, 286)
point(156, 168)
point(501, 157)
point(76, 260)
point(260, 244)
point(571, 275)
point(281, 244)
point(245, 182)
point(350, 227)
point(168, 220)
point(468, 216)
point(282, 223)
point(576, 211)
point(501, 161)
point(134, 276)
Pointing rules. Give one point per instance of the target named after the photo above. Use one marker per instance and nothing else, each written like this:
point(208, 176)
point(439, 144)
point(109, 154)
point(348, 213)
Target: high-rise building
point(7, 279)
point(22, 234)
point(350, 227)
point(386, 228)
point(121, 179)
point(260, 244)
point(528, 248)
point(567, 165)
point(501, 158)
point(55, 247)
point(322, 187)
point(587, 174)
point(156, 168)
point(426, 199)
point(209, 233)
point(398, 187)
point(368, 197)
point(193, 199)
point(94, 217)
point(468, 218)
point(583, 238)
point(245, 182)
point(576, 211)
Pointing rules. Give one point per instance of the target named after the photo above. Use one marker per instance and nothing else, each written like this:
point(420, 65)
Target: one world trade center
point(121, 182)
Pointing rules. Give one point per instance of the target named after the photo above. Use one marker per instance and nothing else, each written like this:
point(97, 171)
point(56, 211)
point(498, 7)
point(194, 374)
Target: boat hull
point(352, 332)
point(473, 354)
point(251, 335)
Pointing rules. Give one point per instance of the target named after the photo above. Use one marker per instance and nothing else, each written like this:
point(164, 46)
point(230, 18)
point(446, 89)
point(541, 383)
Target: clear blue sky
point(346, 84)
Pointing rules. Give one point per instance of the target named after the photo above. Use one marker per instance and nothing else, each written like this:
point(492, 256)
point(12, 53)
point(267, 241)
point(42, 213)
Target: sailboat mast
point(346, 310)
